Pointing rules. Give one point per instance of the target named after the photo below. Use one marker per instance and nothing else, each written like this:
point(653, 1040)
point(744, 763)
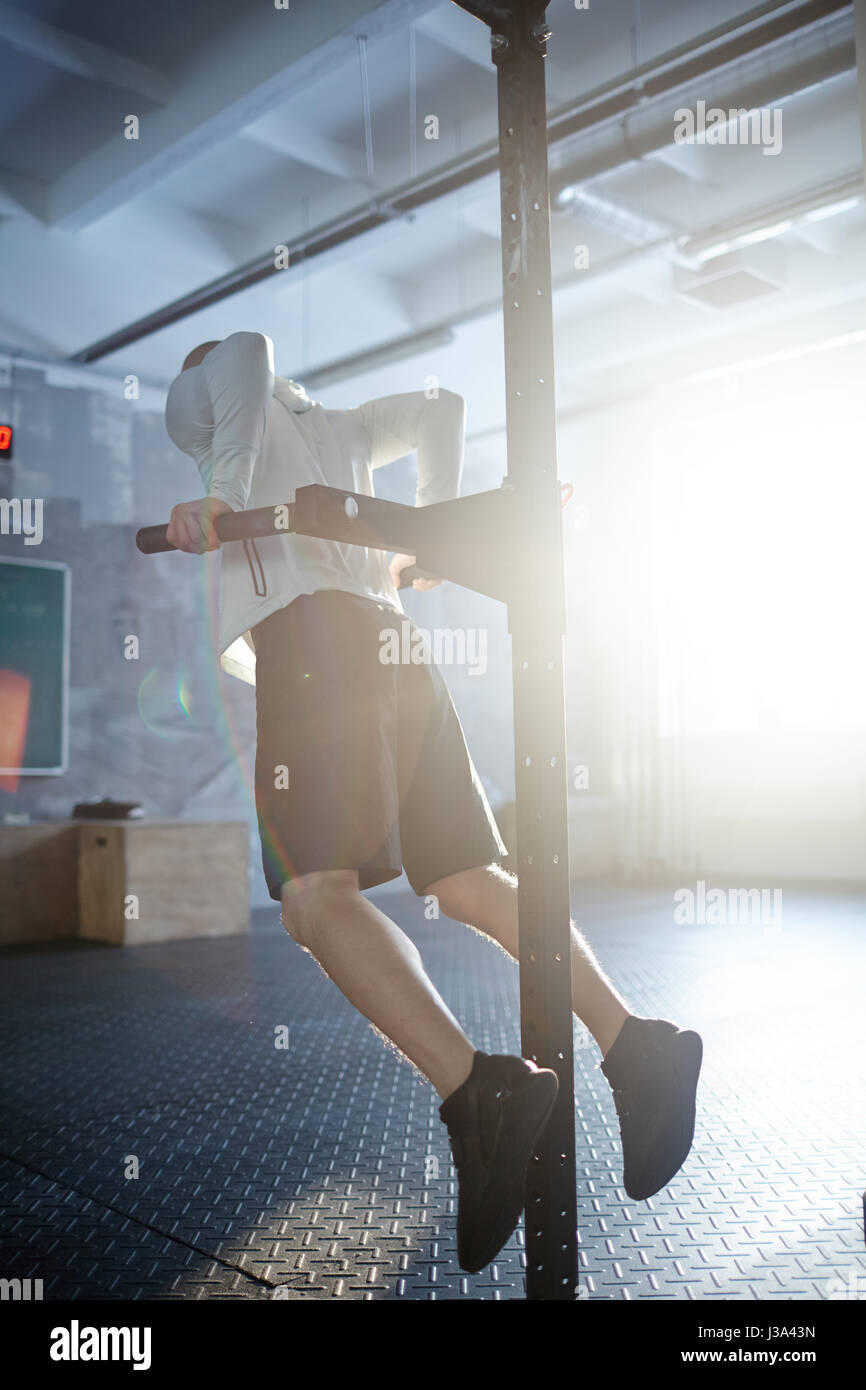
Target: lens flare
point(164, 703)
point(184, 695)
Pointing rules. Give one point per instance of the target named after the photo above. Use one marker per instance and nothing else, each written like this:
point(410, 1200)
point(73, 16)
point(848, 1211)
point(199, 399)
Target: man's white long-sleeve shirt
point(256, 437)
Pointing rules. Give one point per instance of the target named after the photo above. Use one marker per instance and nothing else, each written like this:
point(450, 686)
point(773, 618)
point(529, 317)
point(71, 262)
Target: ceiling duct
point(737, 278)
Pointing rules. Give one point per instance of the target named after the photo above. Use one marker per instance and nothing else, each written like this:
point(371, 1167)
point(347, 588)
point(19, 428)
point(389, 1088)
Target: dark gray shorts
point(379, 775)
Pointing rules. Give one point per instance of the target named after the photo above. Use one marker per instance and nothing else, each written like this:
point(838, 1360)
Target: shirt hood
point(292, 395)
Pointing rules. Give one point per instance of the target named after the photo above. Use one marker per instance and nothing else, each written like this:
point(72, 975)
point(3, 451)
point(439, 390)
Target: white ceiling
point(252, 131)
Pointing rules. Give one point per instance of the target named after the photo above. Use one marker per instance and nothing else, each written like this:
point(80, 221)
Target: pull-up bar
point(469, 540)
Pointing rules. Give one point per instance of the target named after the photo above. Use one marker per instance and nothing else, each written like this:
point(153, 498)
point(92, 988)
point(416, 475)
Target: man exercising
point(362, 771)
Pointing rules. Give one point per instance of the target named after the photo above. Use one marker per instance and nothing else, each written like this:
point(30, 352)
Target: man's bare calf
point(379, 970)
point(486, 899)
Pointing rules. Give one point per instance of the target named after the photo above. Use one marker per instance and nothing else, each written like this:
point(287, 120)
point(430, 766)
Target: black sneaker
point(653, 1070)
point(494, 1120)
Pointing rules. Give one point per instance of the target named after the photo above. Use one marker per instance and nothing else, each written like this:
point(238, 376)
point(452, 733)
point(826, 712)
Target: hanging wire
point(365, 94)
point(413, 150)
point(305, 286)
point(461, 225)
point(636, 60)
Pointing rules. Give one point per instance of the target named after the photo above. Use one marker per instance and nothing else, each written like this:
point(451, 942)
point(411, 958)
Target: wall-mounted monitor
point(34, 667)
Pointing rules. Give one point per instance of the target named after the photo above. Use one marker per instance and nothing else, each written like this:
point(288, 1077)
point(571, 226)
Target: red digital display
point(5, 439)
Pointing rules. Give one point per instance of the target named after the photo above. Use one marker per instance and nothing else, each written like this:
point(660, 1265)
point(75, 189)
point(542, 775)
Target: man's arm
point(239, 381)
point(435, 426)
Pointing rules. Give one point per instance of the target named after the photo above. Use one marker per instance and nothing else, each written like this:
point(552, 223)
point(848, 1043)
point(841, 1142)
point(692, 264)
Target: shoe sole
point(541, 1090)
point(687, 1055)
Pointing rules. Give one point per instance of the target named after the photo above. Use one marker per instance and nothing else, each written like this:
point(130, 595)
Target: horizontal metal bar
point(327, 513)
point(231, 526)
point(475, 540)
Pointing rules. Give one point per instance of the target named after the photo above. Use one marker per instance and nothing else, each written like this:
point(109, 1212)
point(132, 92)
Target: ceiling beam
point(68, 53)
point(305, 145)
point(258, 62)
point(461, 34)
point(23, 197)
point(605, 107)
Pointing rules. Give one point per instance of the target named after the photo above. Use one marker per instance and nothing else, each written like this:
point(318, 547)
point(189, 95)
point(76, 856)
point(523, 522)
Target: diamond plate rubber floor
point(158, 1142)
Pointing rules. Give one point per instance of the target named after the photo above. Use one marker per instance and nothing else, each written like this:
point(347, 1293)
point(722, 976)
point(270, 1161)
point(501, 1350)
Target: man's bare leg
point(654, 1068)
point(486, 898)
point(379, 970)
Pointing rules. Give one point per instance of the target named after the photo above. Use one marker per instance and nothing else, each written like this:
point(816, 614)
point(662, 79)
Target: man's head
point(197, 355)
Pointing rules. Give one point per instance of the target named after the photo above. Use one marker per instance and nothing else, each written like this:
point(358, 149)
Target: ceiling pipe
point(675, 247)
point(689, 249)
point(648, 127)
point(628, 97)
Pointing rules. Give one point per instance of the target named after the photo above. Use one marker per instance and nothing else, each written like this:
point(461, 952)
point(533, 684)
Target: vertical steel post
point(536, 621)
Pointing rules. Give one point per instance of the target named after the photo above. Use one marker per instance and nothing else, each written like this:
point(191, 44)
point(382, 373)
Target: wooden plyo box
point(147, 881)
point(127, 882)
point(38, 882)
